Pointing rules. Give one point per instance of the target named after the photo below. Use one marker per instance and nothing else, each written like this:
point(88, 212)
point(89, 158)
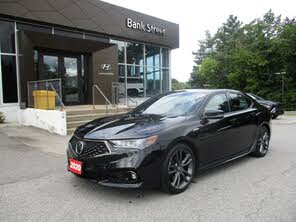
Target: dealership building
point(82, 45)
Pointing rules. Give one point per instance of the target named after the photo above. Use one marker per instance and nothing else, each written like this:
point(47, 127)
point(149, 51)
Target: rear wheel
point(262, 144)
point(178, 169)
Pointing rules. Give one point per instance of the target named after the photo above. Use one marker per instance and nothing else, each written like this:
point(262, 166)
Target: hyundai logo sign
point(106, 67)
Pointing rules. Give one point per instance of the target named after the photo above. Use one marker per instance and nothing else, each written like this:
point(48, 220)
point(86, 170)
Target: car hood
point(127, 126)
point(267, 102)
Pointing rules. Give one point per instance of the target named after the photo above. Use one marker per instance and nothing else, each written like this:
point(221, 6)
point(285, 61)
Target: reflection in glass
point(165, 80)
point(165, 57)
point(152, 81)
point(120, 50)
point(152, 55)
point(121, 80)
point(50, 68)
point(7, 37)
point(9, 81)
point(135, 81)
point(71, 80)
point(134, 53)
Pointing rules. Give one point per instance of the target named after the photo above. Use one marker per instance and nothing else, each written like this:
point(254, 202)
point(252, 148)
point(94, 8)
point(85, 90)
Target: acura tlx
point(166, 140)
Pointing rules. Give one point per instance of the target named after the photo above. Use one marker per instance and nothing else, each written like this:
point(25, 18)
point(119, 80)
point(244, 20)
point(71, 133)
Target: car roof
point(207, 91)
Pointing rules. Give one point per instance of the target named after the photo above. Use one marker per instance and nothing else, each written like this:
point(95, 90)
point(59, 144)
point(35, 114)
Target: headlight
point(134, 143)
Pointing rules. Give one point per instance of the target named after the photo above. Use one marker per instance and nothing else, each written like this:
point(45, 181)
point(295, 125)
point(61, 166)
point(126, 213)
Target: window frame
point(239, 93)
point(216, 94)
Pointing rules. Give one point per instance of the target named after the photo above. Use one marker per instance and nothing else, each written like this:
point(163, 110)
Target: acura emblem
point(79, 147)
point(106, 67)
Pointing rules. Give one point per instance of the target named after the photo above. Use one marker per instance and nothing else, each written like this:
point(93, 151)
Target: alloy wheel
point(180, 168)
point(263, 142)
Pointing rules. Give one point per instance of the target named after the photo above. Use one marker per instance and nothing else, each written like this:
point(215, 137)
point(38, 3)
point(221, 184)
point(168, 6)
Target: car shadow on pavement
point(135, 195)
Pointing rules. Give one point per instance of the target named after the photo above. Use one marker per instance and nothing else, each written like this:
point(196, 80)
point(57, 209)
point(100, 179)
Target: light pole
point(283, 84)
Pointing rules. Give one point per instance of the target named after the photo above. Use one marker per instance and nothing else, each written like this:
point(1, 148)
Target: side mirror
point(213, 114)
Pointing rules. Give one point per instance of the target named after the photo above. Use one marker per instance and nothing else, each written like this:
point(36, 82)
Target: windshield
point(172, 104)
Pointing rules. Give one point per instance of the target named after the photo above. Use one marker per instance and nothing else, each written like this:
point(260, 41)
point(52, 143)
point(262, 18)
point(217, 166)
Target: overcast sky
point(195, 17)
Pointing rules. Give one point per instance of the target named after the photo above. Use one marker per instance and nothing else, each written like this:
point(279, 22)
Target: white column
point(170, 72)
point(17, 64)
point(1, 90)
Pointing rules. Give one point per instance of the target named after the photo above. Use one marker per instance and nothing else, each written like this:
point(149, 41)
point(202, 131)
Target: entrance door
point(69, 68)
point(70, 80)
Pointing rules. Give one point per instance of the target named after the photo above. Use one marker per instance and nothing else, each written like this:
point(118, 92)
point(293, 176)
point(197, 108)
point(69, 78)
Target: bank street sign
point(141, 26)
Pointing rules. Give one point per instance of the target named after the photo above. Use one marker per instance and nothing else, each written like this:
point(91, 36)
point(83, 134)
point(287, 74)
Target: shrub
point(2, 117)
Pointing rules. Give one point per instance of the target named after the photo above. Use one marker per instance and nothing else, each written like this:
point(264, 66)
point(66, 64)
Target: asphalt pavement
point(35, 185)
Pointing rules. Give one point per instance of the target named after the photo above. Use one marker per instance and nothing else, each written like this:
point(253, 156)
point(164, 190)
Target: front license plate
point(75, 166)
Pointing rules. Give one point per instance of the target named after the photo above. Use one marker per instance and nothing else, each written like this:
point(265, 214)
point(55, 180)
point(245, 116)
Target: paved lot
point(35, 186)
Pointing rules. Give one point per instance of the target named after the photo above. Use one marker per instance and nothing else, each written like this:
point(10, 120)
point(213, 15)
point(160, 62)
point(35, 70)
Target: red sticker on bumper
point(75, 166)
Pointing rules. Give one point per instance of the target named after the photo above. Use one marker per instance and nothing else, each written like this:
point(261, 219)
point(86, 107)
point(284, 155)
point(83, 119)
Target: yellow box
point(44, 99)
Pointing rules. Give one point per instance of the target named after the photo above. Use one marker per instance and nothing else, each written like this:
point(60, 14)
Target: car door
point(246, 116)
point(215, 136)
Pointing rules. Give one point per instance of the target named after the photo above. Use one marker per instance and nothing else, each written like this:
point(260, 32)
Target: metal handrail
point(130, 99)
point(61, 102)
point(106, 99)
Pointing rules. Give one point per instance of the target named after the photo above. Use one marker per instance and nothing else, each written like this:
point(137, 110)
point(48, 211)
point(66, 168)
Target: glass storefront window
point(140, 80)
point(152, 55)
point(120, 50)
point(152, 81)
point(49, 68)
point(7, 37)
point(165, 80)
point(134, 53)
point(135, 81)
point(121, 80)
point(165, 57)
point(9, 79)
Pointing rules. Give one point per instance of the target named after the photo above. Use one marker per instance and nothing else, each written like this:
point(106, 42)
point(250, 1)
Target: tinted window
point(165, 57)
point(218, 102)
point(135, 53)
point(9, 81)
point(120, 50)
point(239, 101)
point(7, 37)
point(172, 104)
point(152, 55)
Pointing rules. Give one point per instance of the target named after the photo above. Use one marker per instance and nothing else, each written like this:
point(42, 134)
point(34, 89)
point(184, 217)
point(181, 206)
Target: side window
point(239, 101)
point(218, 102)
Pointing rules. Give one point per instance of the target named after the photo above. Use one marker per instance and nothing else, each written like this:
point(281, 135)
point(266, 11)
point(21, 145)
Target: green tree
point(247, 56)
point(176, 85)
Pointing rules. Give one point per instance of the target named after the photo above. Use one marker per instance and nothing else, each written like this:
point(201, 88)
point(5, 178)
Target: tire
point(178, 169)
point(262, 142)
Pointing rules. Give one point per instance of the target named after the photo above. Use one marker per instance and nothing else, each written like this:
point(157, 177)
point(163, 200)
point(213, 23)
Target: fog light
point(133, 175)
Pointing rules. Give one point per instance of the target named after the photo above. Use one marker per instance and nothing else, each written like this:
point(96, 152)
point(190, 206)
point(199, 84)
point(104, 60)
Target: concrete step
point(70, 131)
point(74, 118)
point(75, 124)
point(95, 111)
point(73, 121)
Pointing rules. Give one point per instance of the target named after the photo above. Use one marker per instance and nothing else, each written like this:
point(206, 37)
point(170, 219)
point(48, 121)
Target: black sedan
point(275, 108)
point(167, 139)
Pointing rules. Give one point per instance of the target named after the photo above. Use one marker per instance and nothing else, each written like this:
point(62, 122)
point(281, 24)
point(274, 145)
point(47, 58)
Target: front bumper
point(276, 111)
point(125, 168)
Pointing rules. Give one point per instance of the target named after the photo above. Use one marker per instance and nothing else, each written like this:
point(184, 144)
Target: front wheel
point(178, 169)
point(262, 144)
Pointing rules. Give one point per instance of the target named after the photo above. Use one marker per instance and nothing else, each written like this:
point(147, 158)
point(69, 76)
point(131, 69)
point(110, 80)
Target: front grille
point(91, 148)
